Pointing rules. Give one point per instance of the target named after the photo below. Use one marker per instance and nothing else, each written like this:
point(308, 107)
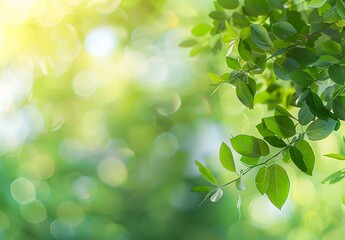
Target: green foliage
point(283, 53)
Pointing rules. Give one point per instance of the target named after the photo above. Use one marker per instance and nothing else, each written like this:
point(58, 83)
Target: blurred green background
point(102, 115)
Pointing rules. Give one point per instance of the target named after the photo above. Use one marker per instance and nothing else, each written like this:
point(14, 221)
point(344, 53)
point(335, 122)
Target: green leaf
point(245, 95)
point(316, 106)
point(201, 189)
point(250, 146)
point(316, 3)
point(275, 141)
point(218, 15)
point(324, 61)
point(297, 158)
point(335, 156)
point(340, 9)
point(240, 20)
point(284, 31)
point(302, 78)
point(279, 110)
point(226, 158)
point(331, 47)
point(281, 125)
point(260, 37)
point(262, 180)
point(337, 73)
point(240, 185)
point(244, 51)
point(249, 161)
point(201, 29)
point(263, 131)
point(188, 43)
point(233, 64)
point(214, 77)
point(339, 107)
point(217, 195)
point(229, 4)
point(320, 129)
point(335, 177)
point(278, 189)
point(256, 7)
point(206, 173)
point(308, 155)
point(304, 115)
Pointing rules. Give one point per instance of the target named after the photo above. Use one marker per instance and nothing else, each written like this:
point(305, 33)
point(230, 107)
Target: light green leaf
point(335, 177)
point(217, 195)
point(262, 180)
point(335, 156)
point(245, 95)
point(201, 29)
point(316, 3)
point(249, 161)
point(201, 189)
point(206, 173)
point(320, 129)
point(278, 189)
point(216, 78)
point(279, 110)
point(340, 9)
point(302, 78)
point(188, 43)
point(263, 131)
point(343, 199)
point(308, 155)
point(281, 125)
point(337, 73)
point(324, 61)
point(249, 146)
point(229, 4)
point(226, 158)
point(233, 64)
point(260, 37)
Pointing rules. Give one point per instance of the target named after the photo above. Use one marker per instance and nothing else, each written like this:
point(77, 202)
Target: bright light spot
point(103, 6)
point(168, 104)
point(71, 150)
point(23, 191)
point(85, 83)
point(101, 41)
point(112, 171)
point(303, 191)
point(157, 70)
point(70, 213)
point(34, 212)
point(85, 188)
point(166, 144)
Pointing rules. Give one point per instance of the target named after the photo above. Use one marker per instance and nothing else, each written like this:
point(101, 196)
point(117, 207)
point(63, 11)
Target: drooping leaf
point(233, 64)
point(240, 185)
point(279, 110)
point(201, 189)
point(302, 78)
point(217, 195)
point(335, 156)
point(304, 115)
point(339, 107)
point(316, 106)
point(282, 126)
point(249, 161)
point(206, 173)
point(229, 4)
point(249, 146)
point(260, 37)
point(263, 131)
point(320, 129)
point(245, 95)
point(226, 158)
point(297, 158)
point(262, 180)
point(337, 73)
point(278, 189)
point(335, 177)
point(308, 155)
point(275, 141)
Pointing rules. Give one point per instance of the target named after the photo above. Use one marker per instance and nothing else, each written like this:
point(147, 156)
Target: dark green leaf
point(297, 158)
point(240, 20)
point(340, 9)
point(339, 107)
point(249, 161)
point(282, 126)
point(337, 73)
point(226, 158)
point(245, 51)
point(256, 7)
point(284, 31)
point(308, 155)
point(229, 4)
point(206, 173)
point(218, 15)
point(245, 95)
point(324, 61)
point(275, 141)
point(263, 131)
point(278, 189)
point(201, 189)
point(262, 180)
point(320, 129)
point(304, 115)
point(336, 156)
point(335, 177)
point(316, 106)
point(250, 146)
point(260, 37)
point(302, 78)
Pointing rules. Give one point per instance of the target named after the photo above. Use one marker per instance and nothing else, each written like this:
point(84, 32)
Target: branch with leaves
point(297, 48)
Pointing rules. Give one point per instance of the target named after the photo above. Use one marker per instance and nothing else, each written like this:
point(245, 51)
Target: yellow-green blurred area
point(102, 116)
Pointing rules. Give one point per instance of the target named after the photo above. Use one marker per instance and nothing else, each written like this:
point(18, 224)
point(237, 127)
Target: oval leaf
point(245, 95)
point(281, 125)
point(302, 78)
point(262, 180)
point(201, 189)
point(337, 73)
point(308, 155)
point(278, 189)
point(339, 107)
point(249, 146)
point(226, 158)
point(229, 4)
point(260, 37)
point(206, 173)
point(316, 106)
point(320, 129)
point(297, 158)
